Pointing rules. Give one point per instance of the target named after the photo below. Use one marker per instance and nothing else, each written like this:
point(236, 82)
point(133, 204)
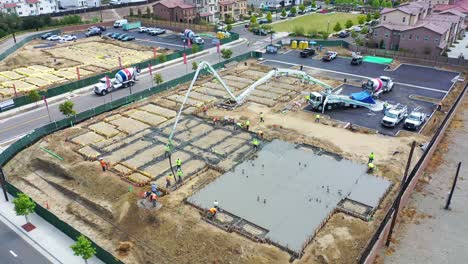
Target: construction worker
point(215, 120)
point(370, 167)
point(302, 67)
point(153, 198)
point(307, 97)
point(154, 188)
point(179, 164)
point(247, 125)
point(168, 180)
point(371, 157)
point(167, 151)
point(103, 164)
point(262, 118)
point(179, 174)
point(260, 134)
point(317, 118)
point(255, 144)
point(212, 213)
point(205, 109)
point(439, 106)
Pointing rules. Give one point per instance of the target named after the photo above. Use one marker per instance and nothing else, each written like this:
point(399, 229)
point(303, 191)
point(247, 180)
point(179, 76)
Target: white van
point(120, 23)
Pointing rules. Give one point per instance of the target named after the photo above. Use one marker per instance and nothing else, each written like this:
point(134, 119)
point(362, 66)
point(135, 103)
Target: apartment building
point(175, 10)
point(232, 8)
point(412, 27)
point(273, 4)
point(29, 7)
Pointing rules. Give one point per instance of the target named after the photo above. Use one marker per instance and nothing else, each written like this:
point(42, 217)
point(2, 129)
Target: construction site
point(302, 193)
point(41, 65)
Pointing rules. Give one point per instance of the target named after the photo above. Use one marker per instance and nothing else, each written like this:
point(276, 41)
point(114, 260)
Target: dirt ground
point(104, 207)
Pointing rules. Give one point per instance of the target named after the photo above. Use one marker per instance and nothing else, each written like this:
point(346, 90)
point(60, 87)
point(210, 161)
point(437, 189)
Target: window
point(30, 5)
point(404, 18)
point(426, 38)
point(376, 33)
point(436, 40)
point(402, 36)
point(40, 8)
point(384, 18)
point(410, 36)
point(386, 35)
point(20, 13)
point(417, 37)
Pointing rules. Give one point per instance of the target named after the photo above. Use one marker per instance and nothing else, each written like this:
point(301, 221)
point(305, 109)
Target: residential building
point(29, 7)
point(232, 8)
point(175, 10)
point(70, 4)
point(412, 27)
point(208, 10)
point(273, 4)
point(444, 5)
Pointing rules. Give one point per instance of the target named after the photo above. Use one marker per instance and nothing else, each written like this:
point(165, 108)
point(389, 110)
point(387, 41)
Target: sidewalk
point(46, 239)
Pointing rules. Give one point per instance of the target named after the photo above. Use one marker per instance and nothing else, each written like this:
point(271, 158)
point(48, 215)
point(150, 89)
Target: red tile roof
point(32, 1)
point(175, 3)
point(412, 8)
point(461, 6)
point(229, 2)
point(9, 5)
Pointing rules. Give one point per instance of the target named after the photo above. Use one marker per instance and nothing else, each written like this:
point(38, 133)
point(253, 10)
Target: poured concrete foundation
point(290, 192)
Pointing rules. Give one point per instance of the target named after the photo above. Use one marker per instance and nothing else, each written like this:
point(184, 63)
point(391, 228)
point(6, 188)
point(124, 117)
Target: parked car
point(357, 28)
point(122, 36)
point(197, 40)
point(68, 38)
point(343, 34)
point(157, 32)
point(116, 35)
point(262, 21)
point(329, 56)
point(356, 59)
point(109, 34)
point(415, 119)
point(291, 14)
point(307, 52)
point(54, 38)
point(94, 32)
point(259, 31)
point(47, 35)
point(142, 29)
point(395, 115)
point(128, 38)
point(102, 28)
point(283, 17)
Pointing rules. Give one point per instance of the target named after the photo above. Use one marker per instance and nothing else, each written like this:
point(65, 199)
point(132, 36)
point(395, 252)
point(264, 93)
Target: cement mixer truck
point(189, 34)
point(379, 85)
point(123, 79)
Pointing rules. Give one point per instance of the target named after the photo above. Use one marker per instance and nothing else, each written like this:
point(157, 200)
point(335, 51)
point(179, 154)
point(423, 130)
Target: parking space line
point(359, 76)
point(157, 42)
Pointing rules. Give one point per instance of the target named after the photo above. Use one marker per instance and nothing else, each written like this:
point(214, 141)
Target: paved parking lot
point(170, 40)
point(406, 74)
point(411, 81)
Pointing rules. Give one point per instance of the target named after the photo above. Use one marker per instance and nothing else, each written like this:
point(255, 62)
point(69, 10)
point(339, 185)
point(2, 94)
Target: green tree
point(195, 48)
point(269, 17)
point(10, 23)
point(139, 12)
point(34, 96)
point(361, 19)
point(313, 4)
point(388, 4)
point(354, 34)
point(337, 27)
point(148, 11)
point(228, 27)
point(375, 3)
point(293, 10)
point(131, 12)
point(327, 2)
point(83, 248)
point(66, 108)
point(162, 58)
point(364, 30)
point(368, 17)
point(283, 12)
point(253, 19)
point(349, 23)
point(194, 65)
point(158, 79)
point(24, 205)
point(377, 15)
point(324, 35)
point(226, 53)
point(302, 8)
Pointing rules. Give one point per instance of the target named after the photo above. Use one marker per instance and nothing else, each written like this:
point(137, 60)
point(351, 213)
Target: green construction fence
point(69, 87)
point(43, 131)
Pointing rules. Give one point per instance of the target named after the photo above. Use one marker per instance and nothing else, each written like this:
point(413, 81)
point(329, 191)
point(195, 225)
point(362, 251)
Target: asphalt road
point(23, 123)
point(14, 249)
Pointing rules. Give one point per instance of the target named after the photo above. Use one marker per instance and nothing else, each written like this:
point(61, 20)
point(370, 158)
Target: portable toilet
point(294, 44)
point(301, 44)
point(306, 44)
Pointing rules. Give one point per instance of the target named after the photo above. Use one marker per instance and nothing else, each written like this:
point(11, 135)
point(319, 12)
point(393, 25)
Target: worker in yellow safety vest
point(180, 174)
point(307, 97)
point(370, 167)
point(262, 118)
point(247, 125)
point(371, 157)
point(179, 164)
point(317, 118)
point(255, 143)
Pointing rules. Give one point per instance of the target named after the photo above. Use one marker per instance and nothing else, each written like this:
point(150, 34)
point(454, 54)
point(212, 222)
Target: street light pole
point(328, 27)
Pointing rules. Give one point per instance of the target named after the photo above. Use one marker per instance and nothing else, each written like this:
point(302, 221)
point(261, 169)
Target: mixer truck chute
point(376, 86)
point(123, 79)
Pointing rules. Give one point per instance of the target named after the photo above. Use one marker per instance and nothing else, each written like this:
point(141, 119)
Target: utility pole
point(400, 193)
point(447, 205)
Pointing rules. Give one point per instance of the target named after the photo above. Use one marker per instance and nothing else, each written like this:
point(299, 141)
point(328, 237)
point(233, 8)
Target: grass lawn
point(315, 22)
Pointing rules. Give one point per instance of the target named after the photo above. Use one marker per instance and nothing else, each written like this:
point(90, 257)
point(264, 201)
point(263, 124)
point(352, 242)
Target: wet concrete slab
point(284, 181)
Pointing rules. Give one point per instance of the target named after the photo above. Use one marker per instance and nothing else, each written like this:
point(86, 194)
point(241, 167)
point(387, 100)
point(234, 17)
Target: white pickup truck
point(395, 115)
